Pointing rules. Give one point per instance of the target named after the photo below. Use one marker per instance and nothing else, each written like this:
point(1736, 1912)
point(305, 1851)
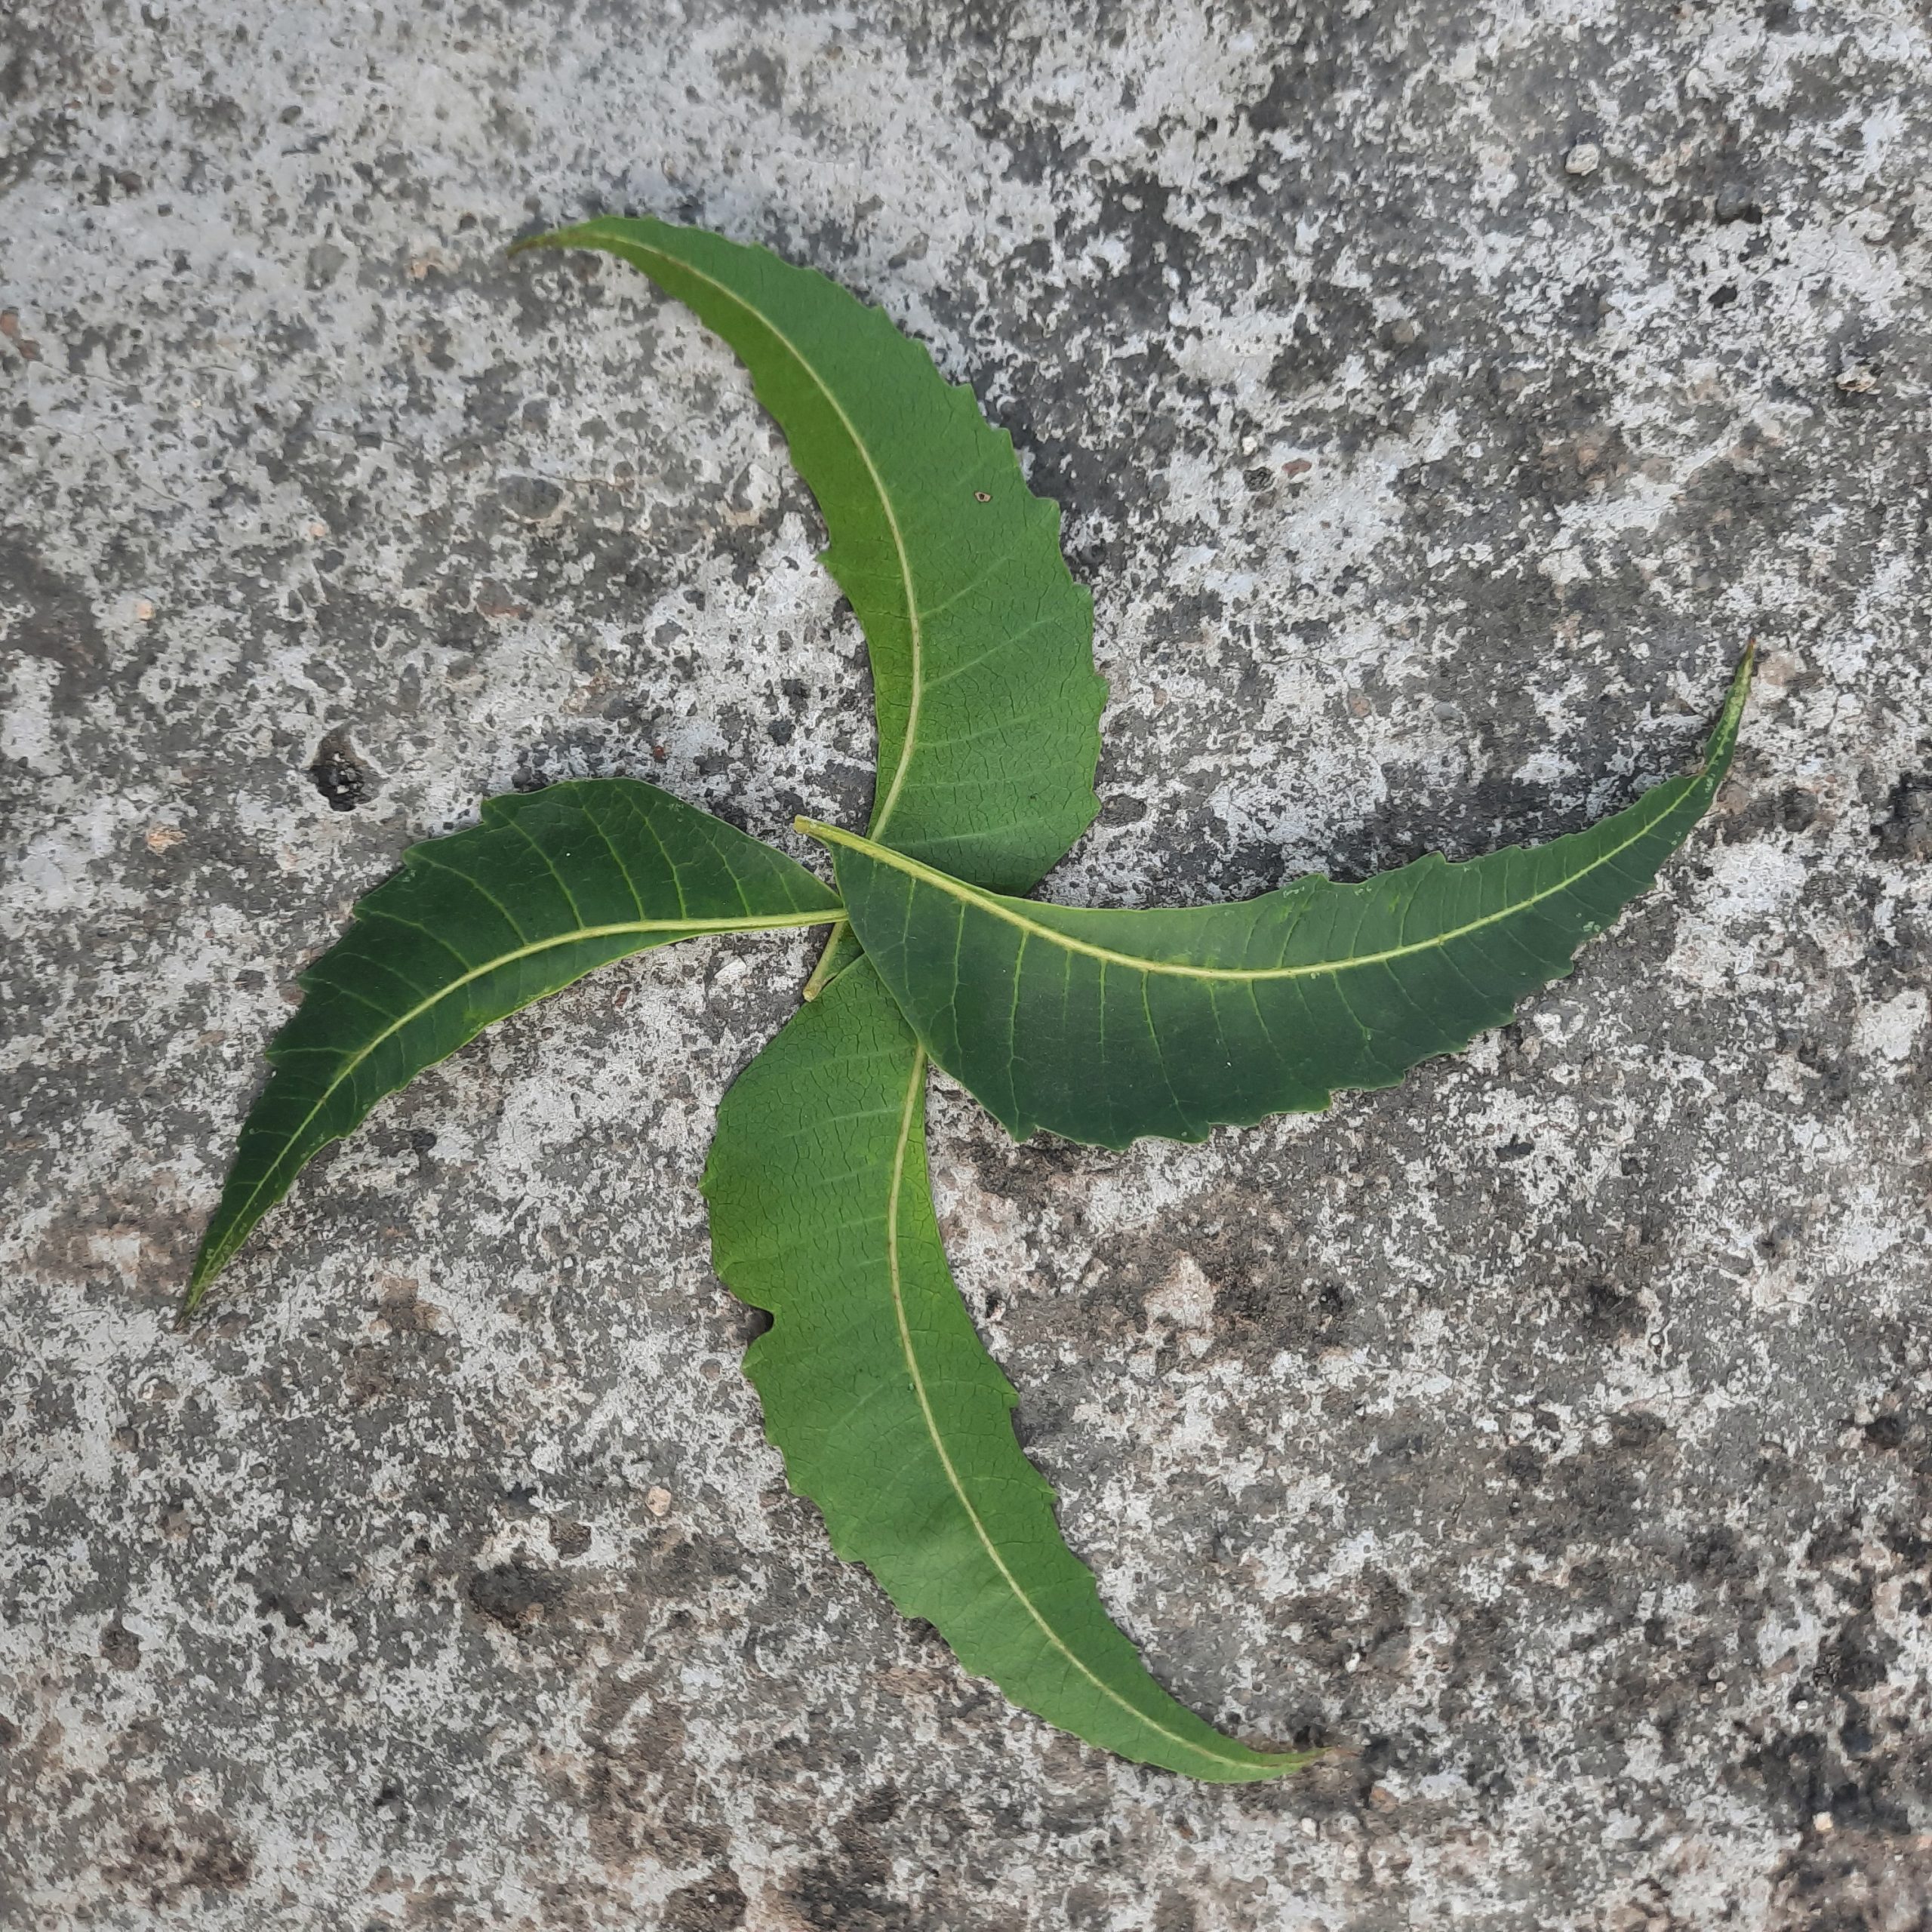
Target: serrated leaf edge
point(999, 906)
point(589, 233)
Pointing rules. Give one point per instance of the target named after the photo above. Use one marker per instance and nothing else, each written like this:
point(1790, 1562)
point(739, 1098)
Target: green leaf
point(890, 1415)
point(1104, 1026)
point(475, 925)
point(981, 642)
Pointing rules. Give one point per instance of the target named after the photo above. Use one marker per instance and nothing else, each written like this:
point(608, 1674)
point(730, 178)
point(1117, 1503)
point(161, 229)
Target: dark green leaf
point(890, 1414)
point(475, 925)
point(1105, 1025)
point(981, 643)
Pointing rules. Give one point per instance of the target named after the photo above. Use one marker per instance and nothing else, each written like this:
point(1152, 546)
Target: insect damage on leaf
point(474, 926)
point(1102, 1026)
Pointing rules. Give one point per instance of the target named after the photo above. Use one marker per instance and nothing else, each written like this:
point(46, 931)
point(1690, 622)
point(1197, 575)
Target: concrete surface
point(1440, 400)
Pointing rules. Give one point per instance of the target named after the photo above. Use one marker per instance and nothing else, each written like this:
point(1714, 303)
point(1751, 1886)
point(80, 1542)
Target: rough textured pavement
point(1439, 401)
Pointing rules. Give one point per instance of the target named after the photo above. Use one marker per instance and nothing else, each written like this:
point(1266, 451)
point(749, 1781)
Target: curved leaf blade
point(890, 1413)
point(550, 885)
point(981, 643)
point(1104, 1026)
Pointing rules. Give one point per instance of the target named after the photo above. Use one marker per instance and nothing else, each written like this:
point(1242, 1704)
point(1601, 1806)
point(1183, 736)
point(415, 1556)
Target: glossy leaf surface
point(475, 925)
point(1104, 1026)
point(890, 1415)
point(981, 643)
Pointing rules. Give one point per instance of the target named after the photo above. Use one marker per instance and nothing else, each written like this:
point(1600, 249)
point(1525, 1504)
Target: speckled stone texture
point(1440, 399)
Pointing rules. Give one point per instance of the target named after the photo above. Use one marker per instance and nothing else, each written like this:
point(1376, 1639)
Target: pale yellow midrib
point(907, 1114)
point(966, 895)
point(914, 629)
point(692, 929)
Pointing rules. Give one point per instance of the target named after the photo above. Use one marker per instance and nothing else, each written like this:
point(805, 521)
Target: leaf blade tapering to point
point(981, 643)
point(595, 870)
point(1104, 1027)
point(821, 1213)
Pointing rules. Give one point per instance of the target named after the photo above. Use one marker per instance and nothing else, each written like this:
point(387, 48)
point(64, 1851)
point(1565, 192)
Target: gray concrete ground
point(1440, 400)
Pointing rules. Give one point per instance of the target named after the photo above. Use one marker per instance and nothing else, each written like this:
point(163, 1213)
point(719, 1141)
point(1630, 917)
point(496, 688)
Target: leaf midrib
point(883, 811)
point(908, 1113)
point(987, 902)
point(693, 929)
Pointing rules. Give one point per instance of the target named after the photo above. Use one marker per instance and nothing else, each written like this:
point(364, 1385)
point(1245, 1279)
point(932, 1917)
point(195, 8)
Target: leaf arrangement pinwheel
point(1099, 1026)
